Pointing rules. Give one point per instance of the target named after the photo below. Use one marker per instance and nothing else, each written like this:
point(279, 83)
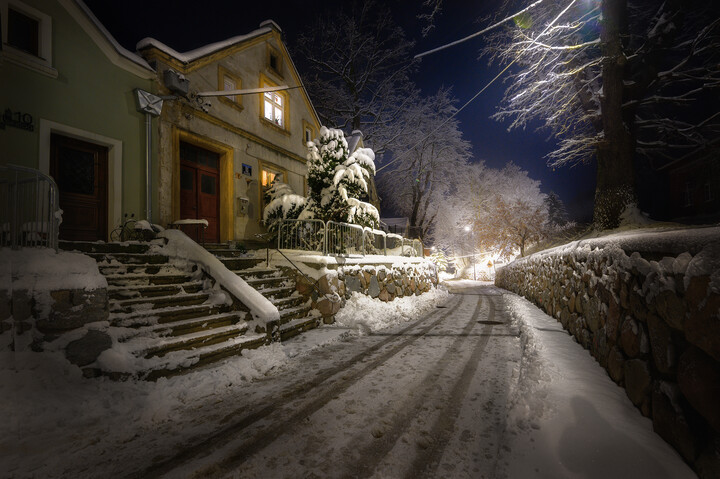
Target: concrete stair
point(170, 320)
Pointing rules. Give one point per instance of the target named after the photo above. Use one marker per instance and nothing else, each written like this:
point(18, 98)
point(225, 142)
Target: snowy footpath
point(477, 383)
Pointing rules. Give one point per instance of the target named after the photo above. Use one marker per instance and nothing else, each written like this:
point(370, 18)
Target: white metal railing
point(334, 238)
point(305, 235)
point(29, 208)
point(344, 238)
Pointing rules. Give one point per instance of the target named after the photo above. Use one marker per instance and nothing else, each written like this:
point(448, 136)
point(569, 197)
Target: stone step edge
point(114, 303)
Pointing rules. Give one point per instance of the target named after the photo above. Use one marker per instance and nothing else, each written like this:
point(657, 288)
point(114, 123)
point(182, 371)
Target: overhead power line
point(485, 30)
point(487, 85)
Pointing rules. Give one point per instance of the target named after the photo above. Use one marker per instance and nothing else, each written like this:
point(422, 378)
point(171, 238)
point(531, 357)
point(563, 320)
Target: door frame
point(114, 167)
point(225, 183)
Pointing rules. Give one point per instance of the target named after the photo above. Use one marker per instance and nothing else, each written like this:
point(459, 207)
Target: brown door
point(200, 189)
point(80, 170)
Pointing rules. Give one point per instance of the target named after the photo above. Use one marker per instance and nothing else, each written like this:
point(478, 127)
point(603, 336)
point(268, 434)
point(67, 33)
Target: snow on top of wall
point(193, 55)
point(181, 246)
point(44, 269)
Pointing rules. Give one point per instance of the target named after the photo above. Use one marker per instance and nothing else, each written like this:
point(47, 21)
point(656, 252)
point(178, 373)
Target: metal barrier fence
point(344, 238)
point(29, 208)
point(306, 235)
point(333, 238)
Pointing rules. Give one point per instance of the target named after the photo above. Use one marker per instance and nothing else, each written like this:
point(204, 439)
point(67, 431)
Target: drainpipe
point(148, 166)
point(151, 105)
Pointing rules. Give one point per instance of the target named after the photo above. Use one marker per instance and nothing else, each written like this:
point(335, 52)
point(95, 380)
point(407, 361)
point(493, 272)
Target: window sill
point(232, 104)
point(275, 127)
point(28, 61)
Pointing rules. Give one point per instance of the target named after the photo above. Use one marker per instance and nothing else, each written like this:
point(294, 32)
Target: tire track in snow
point(426, 464)
point(322, 382)
point(374, 453)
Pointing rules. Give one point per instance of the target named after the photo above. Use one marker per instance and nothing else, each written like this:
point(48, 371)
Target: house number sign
point(17, 119)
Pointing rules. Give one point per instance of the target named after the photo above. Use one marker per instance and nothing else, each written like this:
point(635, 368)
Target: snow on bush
point(337, 180)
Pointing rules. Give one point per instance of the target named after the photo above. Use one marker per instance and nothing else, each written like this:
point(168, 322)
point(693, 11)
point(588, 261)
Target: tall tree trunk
point(615, 188)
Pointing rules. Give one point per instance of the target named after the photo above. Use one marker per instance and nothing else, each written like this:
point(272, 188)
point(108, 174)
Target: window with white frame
point(227, 81)
point(27, 36)
point(274, 108)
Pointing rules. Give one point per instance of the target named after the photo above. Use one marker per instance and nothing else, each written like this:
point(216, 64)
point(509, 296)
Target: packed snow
point(566, 417)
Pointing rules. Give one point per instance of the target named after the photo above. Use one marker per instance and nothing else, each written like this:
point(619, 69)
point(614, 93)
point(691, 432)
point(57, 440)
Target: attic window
point(227, 81)
point(23, 32)
point(274, 61)
point(27, 36)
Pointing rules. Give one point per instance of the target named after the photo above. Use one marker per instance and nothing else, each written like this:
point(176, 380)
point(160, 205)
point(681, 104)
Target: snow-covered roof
point(399, 222)
point(187, 57)
point(105, 35)
point(354, 140)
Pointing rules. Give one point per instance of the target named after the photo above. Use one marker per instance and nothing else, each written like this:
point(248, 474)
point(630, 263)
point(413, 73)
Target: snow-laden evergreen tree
point(557, 213)
point(338, 181)
point(338, 184)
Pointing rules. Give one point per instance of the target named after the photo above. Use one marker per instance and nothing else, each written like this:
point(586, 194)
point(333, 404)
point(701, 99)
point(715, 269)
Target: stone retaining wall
point(377, 281)
point(64, 310)
point(653, 325)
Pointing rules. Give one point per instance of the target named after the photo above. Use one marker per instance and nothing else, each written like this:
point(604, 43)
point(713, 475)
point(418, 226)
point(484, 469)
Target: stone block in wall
point(65, 315)
point(661, 345)
point(697, 291)
point(373, 287)
point(671, 308)
point(5, 304)
point(390, 288)
point(702, 327)
point(633, 338)
point(328, 308)
point(86, 350)
point(21, 305)
point(616, 365)
point(352, 284)
point(637, 381)
point(699, 380)
point(669, 420)
point(612, 321)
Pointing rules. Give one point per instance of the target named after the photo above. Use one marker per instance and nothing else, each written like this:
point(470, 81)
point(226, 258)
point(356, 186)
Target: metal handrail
point(29, 208)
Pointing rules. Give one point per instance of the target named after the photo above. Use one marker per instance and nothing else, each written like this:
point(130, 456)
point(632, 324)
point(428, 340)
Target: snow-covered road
point(478, 384)
point(425, 399)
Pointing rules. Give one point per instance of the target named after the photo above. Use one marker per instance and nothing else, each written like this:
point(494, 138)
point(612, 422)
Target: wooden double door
point(200, 190)
point(80, 170)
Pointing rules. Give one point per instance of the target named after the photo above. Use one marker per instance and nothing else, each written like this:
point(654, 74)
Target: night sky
point(185, 25)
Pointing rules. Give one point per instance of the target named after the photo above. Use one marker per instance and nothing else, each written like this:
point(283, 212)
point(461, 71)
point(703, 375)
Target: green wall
point(90, 93)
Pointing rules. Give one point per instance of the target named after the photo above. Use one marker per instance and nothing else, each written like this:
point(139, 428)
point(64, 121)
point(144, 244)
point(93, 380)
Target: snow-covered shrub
point(440, 261)
point(284, 204)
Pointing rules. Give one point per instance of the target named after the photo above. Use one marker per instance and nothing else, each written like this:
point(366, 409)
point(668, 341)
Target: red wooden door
point(80, 170)
point(200, 190)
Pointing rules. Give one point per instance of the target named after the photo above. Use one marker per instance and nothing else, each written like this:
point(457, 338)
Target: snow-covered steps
point(167, 317)
point(128, 291)
point(295, 311)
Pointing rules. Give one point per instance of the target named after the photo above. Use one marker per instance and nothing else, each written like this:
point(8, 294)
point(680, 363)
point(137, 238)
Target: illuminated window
point(268, 176)
point(274, 108)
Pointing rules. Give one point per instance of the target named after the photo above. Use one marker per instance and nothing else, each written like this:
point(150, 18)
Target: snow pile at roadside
point(568, 419)
point(367, 315)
